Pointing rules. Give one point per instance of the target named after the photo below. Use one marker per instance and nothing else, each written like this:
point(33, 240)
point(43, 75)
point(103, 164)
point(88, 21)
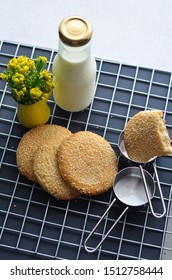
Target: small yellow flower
point(18, 94)
point(43, 74)
point(35, 92)
point(18, 78)
point(42, 59)
point(31, 65)
point(4, 77)
point(24, 89)
point(24, 69)
point(12, 63)
point(22, 60)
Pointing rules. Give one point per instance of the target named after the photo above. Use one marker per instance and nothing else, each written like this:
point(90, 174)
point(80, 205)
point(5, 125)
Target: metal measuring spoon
point(129, 190)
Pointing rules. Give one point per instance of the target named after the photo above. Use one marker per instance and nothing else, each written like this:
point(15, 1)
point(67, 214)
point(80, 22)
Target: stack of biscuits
point(67, 165)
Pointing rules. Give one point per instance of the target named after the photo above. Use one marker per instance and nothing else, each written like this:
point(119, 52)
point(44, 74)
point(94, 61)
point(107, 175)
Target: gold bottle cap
point(75, 31)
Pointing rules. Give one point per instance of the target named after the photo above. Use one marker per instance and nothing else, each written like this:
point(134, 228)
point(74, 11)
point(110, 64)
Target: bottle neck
point(74, 54)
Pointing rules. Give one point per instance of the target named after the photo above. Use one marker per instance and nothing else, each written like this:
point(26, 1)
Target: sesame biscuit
point(87, 162)
point(146, 136)
point(32, 140)
point(48, 175)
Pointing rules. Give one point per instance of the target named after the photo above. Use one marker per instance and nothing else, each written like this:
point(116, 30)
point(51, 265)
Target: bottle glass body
point(74, 75)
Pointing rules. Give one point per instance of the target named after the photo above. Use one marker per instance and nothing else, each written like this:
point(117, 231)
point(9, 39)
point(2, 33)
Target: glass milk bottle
point(74, 68)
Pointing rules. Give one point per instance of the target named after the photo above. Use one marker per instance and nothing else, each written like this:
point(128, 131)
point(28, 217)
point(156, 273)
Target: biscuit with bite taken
point(146, 136)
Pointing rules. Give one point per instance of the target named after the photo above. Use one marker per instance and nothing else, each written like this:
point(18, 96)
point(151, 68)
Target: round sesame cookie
point(48, 175)
point(87, 162)
point(32, 140)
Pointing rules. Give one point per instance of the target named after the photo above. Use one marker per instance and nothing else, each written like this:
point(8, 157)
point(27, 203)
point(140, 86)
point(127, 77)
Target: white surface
point(137, 32)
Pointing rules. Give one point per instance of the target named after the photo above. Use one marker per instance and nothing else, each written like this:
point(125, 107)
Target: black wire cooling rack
point(34, 224)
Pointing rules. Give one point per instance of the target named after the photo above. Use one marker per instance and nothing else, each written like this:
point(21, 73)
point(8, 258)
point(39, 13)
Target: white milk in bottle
point(74, 68)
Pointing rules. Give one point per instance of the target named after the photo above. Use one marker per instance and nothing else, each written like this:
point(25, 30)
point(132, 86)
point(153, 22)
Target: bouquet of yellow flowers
point(27, 80)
